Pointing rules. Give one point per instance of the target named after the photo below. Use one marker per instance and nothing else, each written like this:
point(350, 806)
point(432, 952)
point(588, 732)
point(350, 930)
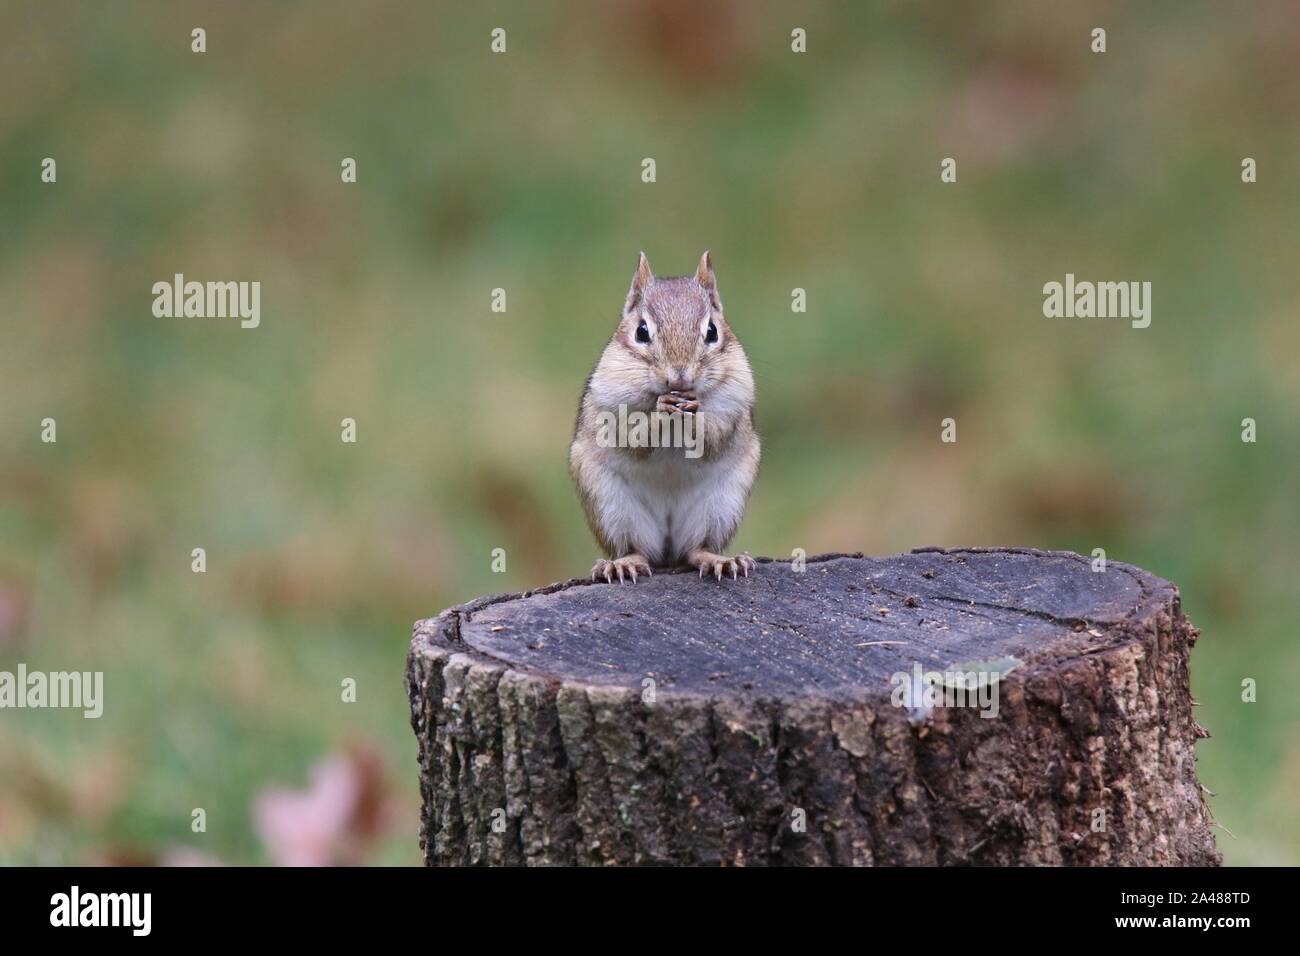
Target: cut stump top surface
point(843, 625)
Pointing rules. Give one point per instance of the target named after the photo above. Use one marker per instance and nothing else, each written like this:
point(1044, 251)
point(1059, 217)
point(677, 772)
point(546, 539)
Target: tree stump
point(768, 720)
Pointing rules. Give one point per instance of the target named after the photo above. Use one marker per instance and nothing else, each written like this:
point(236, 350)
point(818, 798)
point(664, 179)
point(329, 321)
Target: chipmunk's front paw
point(629, 564)
point(685, 402)
point(718, 565)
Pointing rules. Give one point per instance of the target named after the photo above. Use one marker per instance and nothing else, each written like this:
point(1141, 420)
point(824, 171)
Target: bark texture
point(752, 722)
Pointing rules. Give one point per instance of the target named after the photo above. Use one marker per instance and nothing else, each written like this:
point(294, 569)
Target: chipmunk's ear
point(705, 277)
point(641, 280)
point(704, 272)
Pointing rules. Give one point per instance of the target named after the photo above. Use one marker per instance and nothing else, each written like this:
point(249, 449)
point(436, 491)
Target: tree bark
point(764, 721)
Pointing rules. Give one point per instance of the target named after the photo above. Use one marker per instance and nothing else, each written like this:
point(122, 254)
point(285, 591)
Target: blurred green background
point(522, 171)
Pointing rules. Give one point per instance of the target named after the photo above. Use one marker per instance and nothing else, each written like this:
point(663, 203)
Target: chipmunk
point(674, 360)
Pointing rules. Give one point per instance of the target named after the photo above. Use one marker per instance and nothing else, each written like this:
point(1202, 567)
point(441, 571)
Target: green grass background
point(522, 171)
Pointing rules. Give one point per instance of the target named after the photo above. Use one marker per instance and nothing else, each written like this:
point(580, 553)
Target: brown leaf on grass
point(401, 556)
point(1005, 110)
point(99, 785)
point(33, 780)
point(124, 854)
point(512, 501)
point(15, 613)
point(1049, 498)
point(335, 821)
point(120, 854)
point(694, 44)
point(187, 856)
point(109, 524)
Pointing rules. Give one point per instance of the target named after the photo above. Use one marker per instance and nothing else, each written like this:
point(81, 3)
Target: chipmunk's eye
point(643, 332)
point(711, 333)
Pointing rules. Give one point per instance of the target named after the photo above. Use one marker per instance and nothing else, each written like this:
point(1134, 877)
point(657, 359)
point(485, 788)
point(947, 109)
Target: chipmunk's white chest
point(674, 502)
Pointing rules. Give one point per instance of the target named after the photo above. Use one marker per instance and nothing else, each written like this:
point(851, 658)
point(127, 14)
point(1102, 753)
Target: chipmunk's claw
point(624, 567)
point(718, 565)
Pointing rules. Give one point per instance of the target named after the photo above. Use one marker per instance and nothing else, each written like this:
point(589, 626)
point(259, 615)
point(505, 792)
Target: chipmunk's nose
point(677, 381)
